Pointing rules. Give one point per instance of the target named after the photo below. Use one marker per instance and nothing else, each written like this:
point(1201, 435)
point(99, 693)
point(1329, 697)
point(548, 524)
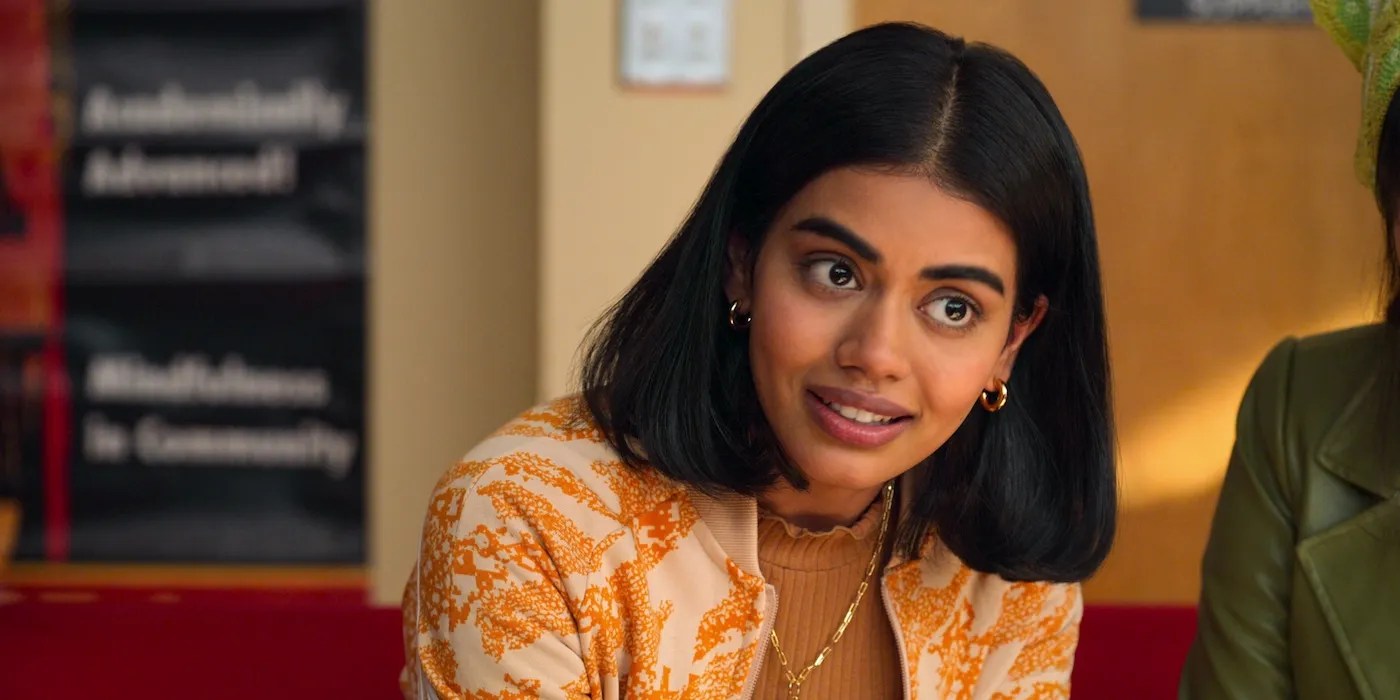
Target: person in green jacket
point(1300, 594)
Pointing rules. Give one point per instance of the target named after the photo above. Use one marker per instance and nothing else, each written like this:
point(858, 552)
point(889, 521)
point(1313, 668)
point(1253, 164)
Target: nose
point(874, 344)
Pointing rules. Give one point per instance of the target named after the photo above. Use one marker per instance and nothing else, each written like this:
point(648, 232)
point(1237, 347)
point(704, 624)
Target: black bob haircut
point(1028, 493)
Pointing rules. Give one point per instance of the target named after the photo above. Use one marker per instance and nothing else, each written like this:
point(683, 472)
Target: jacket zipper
point(898, 638)
point(766, 627)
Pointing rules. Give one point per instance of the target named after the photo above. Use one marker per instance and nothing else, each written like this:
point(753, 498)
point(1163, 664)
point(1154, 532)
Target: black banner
point(217, 422)
point(213, 285)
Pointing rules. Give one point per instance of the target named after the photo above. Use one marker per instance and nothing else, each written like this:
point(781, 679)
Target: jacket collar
point(733, 521)
point(1358, 447)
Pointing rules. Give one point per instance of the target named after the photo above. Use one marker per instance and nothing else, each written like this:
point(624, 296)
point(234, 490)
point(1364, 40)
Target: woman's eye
point(834, 273)
point(954, 312)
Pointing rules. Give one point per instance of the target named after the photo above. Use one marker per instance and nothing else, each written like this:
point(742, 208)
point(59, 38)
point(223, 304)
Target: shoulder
point(998, 611)
point(1354, 351)
point(1026, 611)
point(1304, 383)
point(549, 467)
point(1340, 360)
point(558, 434)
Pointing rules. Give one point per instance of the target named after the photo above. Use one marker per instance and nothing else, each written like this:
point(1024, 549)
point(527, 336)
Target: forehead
point(906, 217)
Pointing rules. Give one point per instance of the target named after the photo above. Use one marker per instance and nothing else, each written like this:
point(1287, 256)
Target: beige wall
point(453, 294)
point(620, 169)
point(813, 24)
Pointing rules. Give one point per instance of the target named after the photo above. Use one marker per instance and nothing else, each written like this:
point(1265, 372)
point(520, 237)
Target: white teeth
point(858, 415)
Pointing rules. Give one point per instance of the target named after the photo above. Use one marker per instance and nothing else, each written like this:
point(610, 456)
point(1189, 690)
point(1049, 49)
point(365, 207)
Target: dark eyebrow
point(823, 226)
point(827, 228)
point(964, 272)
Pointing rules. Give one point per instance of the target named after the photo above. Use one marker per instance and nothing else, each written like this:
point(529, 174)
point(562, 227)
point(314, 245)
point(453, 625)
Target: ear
point(1021, 329)
point(737, 285)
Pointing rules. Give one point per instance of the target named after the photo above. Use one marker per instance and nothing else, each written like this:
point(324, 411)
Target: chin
point(844, 472)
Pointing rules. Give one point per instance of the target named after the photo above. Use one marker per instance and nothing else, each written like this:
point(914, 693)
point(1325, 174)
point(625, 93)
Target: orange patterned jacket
point(549, 569)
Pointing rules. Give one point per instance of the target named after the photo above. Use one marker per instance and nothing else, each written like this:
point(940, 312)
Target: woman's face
point(882, 307)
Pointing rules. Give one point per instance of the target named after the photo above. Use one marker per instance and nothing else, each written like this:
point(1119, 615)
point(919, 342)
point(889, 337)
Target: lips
point(860, 401)
point(855, 418)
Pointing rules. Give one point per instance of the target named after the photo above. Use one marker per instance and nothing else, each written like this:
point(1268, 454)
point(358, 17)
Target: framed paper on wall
point(675, 44)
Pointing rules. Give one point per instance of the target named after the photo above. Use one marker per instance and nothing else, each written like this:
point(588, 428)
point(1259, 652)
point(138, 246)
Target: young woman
point(801, 464)
point(1300, 586)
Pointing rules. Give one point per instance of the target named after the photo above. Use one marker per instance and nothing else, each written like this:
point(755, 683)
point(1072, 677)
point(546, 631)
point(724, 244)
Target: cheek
point(791, 334)
point(951, 378)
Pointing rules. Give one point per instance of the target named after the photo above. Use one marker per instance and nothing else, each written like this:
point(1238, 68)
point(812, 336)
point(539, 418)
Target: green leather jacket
point(1300, 592)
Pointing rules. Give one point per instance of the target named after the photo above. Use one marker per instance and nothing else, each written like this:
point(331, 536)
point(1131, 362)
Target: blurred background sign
point(1225, 10)
point(201, 325)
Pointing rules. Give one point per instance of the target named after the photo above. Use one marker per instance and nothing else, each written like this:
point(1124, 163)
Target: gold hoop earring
point(1000, 395)
point(736, 319)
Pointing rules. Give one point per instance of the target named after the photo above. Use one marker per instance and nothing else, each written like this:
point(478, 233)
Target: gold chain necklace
point(795, 680)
